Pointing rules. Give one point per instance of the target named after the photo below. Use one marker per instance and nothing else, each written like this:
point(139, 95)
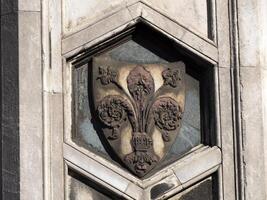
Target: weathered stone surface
point(249, 32)
point(252, 115)
point(191, 13)
point(222, 34)
point(24, 5)
point(55, 135)
point(30, 98)
point(263, 64)
point(264, 74)
point(96, 30)
point(78, 14)
point(196, 165)
point(180, 33)
point(226, 140)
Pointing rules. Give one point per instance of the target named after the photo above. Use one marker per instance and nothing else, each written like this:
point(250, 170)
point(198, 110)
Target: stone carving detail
point(171, 77)
point(140, 84)
point(167, 115)
point(113, 111)
point(141, 161)
point(142, 108)
point(142, 157)
point(106, 75)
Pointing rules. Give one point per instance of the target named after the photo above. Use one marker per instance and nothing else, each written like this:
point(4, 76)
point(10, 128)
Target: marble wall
point(78, 14)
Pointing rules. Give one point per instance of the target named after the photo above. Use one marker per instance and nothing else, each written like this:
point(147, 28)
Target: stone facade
point(41, 42)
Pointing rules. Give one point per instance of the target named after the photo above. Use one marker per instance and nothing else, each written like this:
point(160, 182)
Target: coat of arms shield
point(140, 108)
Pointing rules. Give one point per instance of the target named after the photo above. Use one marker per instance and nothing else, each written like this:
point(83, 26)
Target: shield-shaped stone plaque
point(140, 108)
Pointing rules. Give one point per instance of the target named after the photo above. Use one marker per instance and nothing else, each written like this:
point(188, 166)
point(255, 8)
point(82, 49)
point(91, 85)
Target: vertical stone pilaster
point(31, 107)
point(250, 18)
point(263, 64)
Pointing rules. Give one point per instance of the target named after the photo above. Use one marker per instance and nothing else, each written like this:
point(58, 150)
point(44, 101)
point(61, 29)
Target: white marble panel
point(30, 106)
point(191, 13)
point(198, 164)
point(78, 14)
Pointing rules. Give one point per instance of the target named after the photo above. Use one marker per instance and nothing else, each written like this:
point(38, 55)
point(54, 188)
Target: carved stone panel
point(140, 108)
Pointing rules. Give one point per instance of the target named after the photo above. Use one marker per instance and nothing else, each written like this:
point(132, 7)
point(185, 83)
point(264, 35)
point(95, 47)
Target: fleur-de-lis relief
point(144, 109)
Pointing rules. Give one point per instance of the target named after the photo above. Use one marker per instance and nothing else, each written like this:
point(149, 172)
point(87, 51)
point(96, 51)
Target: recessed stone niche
point(142, 45)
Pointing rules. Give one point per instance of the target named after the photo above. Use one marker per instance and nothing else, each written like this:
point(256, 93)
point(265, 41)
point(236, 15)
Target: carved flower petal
point(140, 83)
